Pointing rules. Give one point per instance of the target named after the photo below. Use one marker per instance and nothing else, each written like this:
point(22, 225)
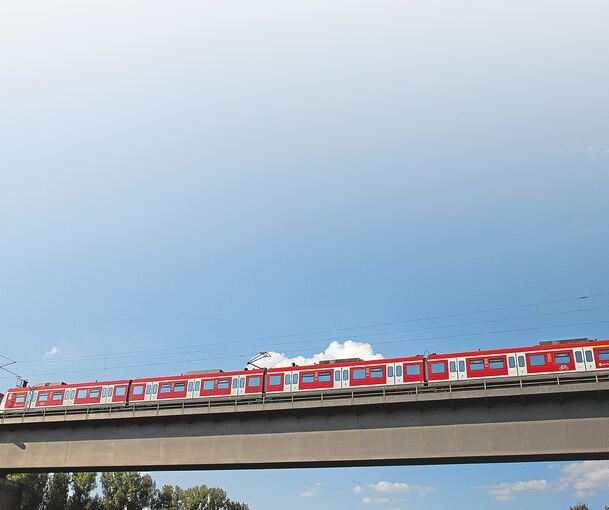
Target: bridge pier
point(10, 494)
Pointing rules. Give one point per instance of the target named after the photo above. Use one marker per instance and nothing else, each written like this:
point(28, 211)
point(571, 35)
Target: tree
point(34, 488)
point(579, 506)
point(127, 491)
point(56, 492)
point(81, 498)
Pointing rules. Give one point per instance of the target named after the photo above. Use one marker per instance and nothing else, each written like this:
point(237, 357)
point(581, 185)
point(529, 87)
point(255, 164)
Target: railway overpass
point(557, 418)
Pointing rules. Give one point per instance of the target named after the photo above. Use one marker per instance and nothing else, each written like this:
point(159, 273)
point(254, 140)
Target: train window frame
point(191, 386)
point(588, 356)
point(165, 388)
point(294, 379)
point(434, 367)
point(398, 371)
point(20, 399)
point(148, 389)
point(476, 365)
point(57, 395)
point(110, 391)
point(345, 375)
point(208, 385)
point(324, 376)
point(286, 380)
point(235, 382)
point(412, 370)
point(578, 357)
point(223, 384)
point(390, 371)
point(275, 379)
point(198, 385)
point(566, 355)
point(537, 360)
point(242, 382)
point(499, 362)
point(67, 395)
point(179, 387)
point(137, 390)
point(81, 394)
point(603, 354)
point(94, 393)
point(155, 388)
point(72, 394)
point(120, 391)
point(453, 367)
point(511, 362)
point(337, 376)
point(104, 392)
point(461, 366)
point(521, 362)
point(307, 378)
point(43, 396)
point(254, 381)
point(358, 374)
point(377, 373)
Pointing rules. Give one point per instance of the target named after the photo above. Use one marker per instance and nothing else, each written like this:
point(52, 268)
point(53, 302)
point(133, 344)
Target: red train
point(573, 356)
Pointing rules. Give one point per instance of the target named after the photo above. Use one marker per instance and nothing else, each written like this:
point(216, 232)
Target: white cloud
point(374, 501)
point(383, 486)
point(53, 351)
point(585, 477)
point(311, 492)
point(336, 350)
point(358, 490)
point(505, 491)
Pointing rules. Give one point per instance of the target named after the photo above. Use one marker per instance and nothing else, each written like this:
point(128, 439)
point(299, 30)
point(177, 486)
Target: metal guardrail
point(353, 394)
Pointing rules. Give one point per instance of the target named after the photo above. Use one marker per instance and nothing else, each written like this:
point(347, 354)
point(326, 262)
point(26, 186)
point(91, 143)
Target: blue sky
point(224, 175)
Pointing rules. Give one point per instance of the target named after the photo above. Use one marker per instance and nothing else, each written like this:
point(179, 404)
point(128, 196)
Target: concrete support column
point(10, 494)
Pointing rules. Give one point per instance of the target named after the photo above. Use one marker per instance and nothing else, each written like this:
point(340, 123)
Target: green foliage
point(120, 491)
point(579, 506)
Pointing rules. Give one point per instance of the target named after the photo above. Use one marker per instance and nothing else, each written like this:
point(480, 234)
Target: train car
point(345, 374)
point(545, 359)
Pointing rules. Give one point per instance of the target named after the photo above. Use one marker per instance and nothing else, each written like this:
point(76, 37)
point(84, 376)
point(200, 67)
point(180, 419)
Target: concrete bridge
point(561, 418)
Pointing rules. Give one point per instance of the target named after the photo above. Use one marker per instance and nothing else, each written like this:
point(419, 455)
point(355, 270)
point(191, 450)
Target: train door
point(190, 389)
point(461, 369)
point(104, 395)
point(69, 397)
point(399, 373)
point(580, 364)
point(31, 399)
point(337, 378)
point(511, 363)
point(452, 369)
point(241, 388)
point(521, 364)
point(287, 381)
point(589, 359)
point(390, 379)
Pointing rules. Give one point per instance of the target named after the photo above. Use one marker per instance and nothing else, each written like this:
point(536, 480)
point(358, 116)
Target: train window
point(287, 379)
point(324, 377)
point(67, 396)
point(110, 391)
point(537, 360)
point(578, 356)
point(235, 382)
point(120, 391)
point(511, 362)
point(307, 378)
point(19, 399)
point(521, 361)
point(179, 387)
point(137, 390)
point(358, 374)
point(198, 384)
point(476, 365)
point(275, 380)
point(588, 355)
point(72, 394)
point(242, 383)
point(345, 375)
point(191, 386)
point(223, 384)
point(42, 396)
point(155, 387)
point(453, 366)
point(253, 382)
point(58, 395)
point(438, 367)
point(81, 394)
point(208, 385)
point(603, 355)
point(376, 373)
point(416, 369)
point(496, 363)
point(104, 392)
point(461, 366)
point(148, 389)
point(398, 370)
point(562, 358)
point(337, 375)
point(165, 388)
point(94, 394)
point(294, 379)
point(390, 371)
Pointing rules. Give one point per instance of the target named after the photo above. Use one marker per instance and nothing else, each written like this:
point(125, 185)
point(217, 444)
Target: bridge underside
point(546, 422)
